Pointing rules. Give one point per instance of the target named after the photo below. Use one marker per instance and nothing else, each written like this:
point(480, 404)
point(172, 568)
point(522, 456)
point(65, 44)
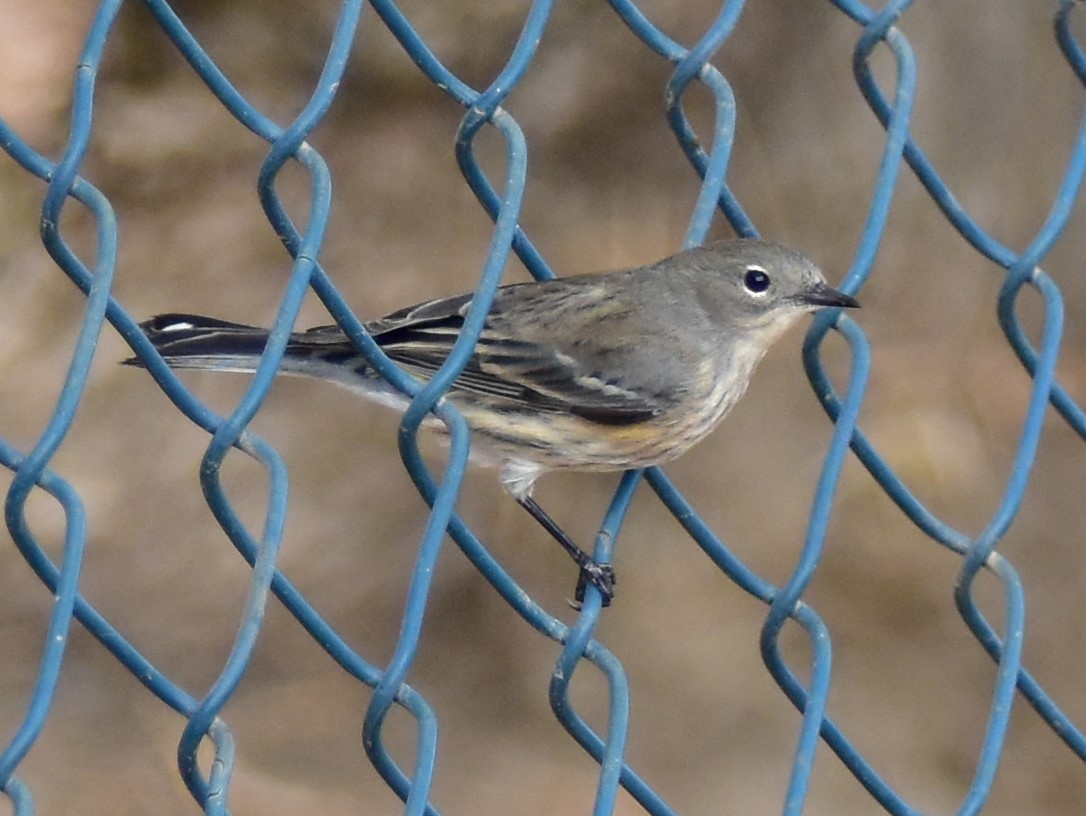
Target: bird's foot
point(601, 576)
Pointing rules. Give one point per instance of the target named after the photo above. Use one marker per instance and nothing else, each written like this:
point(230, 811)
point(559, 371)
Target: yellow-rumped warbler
point(605, 372)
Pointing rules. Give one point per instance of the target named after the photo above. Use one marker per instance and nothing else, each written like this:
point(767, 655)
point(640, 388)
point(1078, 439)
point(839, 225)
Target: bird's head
point(758, 287)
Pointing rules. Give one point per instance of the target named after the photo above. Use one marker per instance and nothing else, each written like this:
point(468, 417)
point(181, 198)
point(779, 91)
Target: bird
point(608, 371)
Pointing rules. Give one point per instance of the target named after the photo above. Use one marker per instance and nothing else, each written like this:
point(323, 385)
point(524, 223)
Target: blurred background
point(997, 110)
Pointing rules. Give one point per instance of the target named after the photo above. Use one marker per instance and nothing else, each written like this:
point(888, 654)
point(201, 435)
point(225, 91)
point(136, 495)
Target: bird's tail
point(195, 341)
point(198, 342)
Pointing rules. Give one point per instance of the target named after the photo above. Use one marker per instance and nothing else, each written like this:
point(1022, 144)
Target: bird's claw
point(601, 576)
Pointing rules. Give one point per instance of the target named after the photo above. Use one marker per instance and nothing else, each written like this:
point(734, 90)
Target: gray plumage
point(594, 372)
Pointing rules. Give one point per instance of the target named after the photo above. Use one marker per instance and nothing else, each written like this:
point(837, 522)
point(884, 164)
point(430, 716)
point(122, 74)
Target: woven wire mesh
point(706, 141)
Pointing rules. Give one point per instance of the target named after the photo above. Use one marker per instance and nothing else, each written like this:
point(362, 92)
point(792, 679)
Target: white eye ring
point(756, 281)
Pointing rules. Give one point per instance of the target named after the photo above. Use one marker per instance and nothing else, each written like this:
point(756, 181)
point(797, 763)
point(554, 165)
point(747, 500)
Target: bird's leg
point(601, 576)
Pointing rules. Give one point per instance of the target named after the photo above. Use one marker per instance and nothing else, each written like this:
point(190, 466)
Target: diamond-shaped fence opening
point(472, 139)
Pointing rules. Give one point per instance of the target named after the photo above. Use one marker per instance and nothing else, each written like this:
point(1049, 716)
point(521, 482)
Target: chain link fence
point(492, 149)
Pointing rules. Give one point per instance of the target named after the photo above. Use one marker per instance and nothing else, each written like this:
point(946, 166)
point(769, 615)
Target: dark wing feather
point(534, 364)
point(520, 371)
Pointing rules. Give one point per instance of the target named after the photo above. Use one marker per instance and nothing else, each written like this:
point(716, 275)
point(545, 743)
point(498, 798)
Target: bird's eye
point(756, 280)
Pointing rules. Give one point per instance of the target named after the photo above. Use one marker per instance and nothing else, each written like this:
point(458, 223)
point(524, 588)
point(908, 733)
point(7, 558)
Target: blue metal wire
point(709, 155)
point(64, 587)
point(30, 470)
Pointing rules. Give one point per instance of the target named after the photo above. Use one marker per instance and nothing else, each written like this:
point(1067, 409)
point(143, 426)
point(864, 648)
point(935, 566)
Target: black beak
point(822, 295)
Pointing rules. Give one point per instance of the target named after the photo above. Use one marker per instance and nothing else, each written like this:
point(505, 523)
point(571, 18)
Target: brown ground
point(996, 109)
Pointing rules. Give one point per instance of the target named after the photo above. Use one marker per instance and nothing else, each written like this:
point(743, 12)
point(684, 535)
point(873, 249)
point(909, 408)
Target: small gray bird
point(620, 370)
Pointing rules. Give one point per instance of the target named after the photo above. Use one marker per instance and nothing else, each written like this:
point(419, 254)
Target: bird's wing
point(528, 365)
